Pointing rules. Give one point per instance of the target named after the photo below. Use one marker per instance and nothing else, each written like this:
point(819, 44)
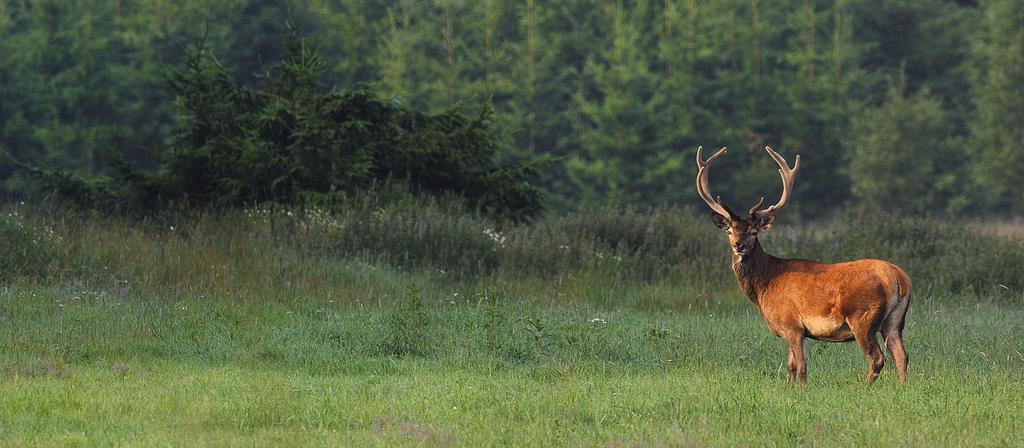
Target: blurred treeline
point(916, 106)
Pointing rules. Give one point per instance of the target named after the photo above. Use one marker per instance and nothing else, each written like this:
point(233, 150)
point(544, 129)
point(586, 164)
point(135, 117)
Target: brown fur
point(829, 302)
point(805, 299)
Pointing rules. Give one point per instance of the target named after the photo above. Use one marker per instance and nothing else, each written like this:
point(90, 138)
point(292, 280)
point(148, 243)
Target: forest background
point(909, 106)
point(256, 302)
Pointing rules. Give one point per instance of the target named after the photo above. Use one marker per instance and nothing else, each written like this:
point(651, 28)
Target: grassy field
point(94, 368)
point(223, 332)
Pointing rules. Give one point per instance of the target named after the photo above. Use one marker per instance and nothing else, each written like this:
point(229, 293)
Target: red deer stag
point(806, 299)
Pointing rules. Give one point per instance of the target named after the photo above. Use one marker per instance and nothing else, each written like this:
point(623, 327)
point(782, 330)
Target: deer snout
point(742, 247)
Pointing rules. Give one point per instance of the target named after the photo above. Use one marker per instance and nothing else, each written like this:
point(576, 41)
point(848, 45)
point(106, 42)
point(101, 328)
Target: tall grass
point(943, 257)
point(259, 252)
point(29, 248)
point(420, 324)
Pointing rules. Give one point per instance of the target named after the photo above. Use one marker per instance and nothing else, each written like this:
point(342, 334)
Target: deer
point(801, 299)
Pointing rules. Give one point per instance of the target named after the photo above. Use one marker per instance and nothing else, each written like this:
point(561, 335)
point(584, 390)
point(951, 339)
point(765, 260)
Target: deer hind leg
point(797, 360)
point(892, 332)
point(864, 333)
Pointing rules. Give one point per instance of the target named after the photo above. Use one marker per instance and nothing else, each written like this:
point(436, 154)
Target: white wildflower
point(496, 236)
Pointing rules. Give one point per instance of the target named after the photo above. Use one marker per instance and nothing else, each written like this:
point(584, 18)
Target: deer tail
point(902, 281)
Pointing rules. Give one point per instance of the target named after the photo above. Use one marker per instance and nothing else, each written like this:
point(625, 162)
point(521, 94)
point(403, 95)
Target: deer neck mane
point(753, 271)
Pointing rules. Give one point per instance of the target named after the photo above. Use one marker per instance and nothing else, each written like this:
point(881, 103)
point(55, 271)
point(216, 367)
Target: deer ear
point(765, 222)
point(720, 221)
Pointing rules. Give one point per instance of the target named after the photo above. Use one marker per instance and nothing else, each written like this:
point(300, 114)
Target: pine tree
point(397, 51)
point(998, 126)
point(823, 68)
point(96, 105)
point(901, 158)
point(350, 34)
point(620, 150)
point(678, 86)
point(294, 141)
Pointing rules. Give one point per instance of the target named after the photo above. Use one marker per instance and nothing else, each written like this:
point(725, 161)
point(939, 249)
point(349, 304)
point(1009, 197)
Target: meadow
point(413, 324)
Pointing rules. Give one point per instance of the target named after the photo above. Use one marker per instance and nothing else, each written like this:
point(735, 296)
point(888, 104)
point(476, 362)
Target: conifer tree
point(619, 149)
point(998, 126)
point(397, 51)
point(901, 158)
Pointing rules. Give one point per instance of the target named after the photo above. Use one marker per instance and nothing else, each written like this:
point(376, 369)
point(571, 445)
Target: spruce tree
point(901, 156)
point(619, 150)
point(998, 126)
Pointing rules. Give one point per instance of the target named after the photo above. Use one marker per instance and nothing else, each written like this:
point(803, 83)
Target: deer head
point(743, 230)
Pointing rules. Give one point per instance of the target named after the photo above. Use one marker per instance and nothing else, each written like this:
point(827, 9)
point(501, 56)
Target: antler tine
point(787, 175)
point(757, 206)
point(702, 183)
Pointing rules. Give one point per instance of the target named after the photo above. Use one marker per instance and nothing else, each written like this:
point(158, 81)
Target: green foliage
point(289, 142)
point(619, 148)
point(618, 93)
point(901, 156)
point(405, 327)
point(31, 249)
point(77, 80)
point(124, 190)
point(623, 245)
point(940, 255)
point(280, 249)
point(998, 137)
point(224, 303)
point(412, 234)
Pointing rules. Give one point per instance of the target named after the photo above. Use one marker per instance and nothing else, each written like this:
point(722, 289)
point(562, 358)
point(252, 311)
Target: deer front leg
point(796, 360)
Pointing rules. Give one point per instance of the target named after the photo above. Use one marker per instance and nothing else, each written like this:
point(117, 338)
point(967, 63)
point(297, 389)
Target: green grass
point(94, 368)
point(610, 330)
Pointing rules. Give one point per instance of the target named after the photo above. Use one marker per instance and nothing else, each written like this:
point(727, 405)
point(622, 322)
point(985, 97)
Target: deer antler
point(787, 183)
point(702, 184)
point(756, 206)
